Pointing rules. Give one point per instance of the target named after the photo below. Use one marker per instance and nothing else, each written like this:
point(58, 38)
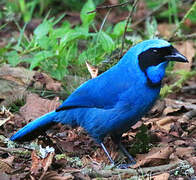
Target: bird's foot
point(125, 166)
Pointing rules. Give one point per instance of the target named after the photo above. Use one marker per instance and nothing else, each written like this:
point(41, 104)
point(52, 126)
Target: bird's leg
point(117, 140)
point(123, 149)
point(105, 150)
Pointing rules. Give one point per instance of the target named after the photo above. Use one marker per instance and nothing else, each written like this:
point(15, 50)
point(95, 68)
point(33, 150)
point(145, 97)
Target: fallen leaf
point(188, 50)
point(157, 156)
point(136, 126)
point(184, 152)
point(54, 176)
point(36, 165)
point(113, 2)
point(5, 115)
point(13, 83)
point(39, 164)
point(179, 104)
point(93, 70)
point(192, 161)
point(141, 12)
point(42, 79)
point(169, 110)
point(166, 122)
point(157, 108)
point(36, 106)
point(99, 154)
point(164, 176)
point(6, 164)
point(18, 75)
point(181, 143)
point(165, 30)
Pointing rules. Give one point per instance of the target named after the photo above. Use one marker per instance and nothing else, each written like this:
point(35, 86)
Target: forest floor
point(163, 143)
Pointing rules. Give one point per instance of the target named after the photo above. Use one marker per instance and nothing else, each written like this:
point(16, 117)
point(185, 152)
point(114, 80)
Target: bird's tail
point(35, 128)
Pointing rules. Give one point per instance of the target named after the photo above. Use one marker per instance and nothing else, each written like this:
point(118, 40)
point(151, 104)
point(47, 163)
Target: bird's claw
point(124, 166)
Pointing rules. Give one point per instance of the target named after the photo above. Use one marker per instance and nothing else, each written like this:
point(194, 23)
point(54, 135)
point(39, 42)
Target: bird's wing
point(100, 92)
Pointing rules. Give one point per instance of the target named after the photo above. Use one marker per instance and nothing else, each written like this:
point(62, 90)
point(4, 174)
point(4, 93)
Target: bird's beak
point(176, 56)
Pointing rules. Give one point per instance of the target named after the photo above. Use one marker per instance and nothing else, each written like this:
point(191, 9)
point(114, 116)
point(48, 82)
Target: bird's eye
point(154, 51)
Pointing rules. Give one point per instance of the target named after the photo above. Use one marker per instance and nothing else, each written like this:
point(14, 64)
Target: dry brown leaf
point(43, 79)
point(180, 143)
point(157, 108)
point(54, 86)
point(6, 164)
point(179, 104)
point(39, 164)
point(142, 11)
point(166, 122)
point(36, 106)
point(93, 70)
point(184, 152)
point(47, 161)
point(192, 161)
point(5, 115)
point(169, 110)
point(188, 50)
point(165, 30)
point(136, 126)
point(54, 176)
point(13, 83)
point(99, 154)
point(36, 165)
point(164, 176)
point(113, 2)
point(157, 156)
point(18, 75)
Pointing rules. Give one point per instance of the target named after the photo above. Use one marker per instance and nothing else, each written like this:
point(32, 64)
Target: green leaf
point(151, 28)
point(86, 17)
point(73, 35)
point(59, 72)
point(119, 29)
point(93, 54)
point(106, 42)
point(13, 58)
point(40, 56)
point(42, 29)
point(60, 31)
point(43, 42)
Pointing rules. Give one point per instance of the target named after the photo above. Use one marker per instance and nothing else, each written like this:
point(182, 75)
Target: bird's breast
point(134, 104)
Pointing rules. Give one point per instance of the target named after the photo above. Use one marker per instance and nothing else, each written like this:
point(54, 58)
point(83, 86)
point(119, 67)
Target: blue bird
point(114, 101)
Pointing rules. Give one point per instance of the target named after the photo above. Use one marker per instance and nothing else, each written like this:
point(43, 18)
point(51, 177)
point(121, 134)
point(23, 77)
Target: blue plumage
point(114, 101)
point(33, 129)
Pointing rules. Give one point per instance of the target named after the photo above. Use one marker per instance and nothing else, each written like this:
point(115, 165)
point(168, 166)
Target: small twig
point(182, 38)
point(179, 104)
point(190, 114)
point(154, 11)
point(126, 26)
point(174, 138)
point(109, 6)
point(109, 173)
point(102, 24)
point(193, 7)
point(189, 88)
point(15, 150)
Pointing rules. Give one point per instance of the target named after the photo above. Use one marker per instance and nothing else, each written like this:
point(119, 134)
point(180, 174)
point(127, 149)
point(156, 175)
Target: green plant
point(16, 105)
point(184, 76)
point(22, 8)
point(57, 49)
point(142, 142)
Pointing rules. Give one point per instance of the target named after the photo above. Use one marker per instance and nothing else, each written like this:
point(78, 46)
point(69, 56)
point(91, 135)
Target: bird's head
point(153, 57)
